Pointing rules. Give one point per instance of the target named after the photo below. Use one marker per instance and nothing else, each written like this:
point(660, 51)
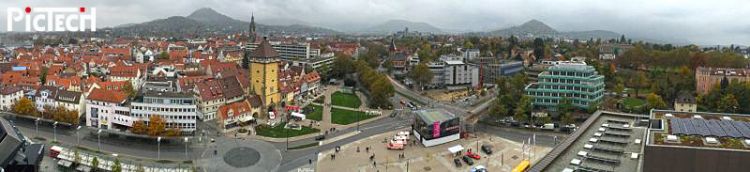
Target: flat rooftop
point(700, 130)
point(431, 115)
point(607, 141)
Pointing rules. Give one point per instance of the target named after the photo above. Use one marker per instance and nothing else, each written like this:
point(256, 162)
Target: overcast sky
point(705, 22)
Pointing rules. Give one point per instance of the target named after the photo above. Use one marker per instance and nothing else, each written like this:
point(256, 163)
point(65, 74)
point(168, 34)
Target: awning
point(456, 149)
point(298, 115)
point(246, 118)
point(64, 163)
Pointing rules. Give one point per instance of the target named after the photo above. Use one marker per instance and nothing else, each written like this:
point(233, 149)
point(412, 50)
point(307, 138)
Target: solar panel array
point(716, 128)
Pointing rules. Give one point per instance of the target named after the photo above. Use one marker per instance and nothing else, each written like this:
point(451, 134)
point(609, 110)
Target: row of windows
point(567, 73)
point(555, 101)
point(167, 117)
point(572, 88)
point(161, 109)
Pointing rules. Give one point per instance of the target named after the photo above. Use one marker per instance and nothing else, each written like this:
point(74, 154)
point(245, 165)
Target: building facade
point(707, 78)
point(108, 110)
point(179, 110)
point(579, 83)
point(8, 96)
point(264, 77)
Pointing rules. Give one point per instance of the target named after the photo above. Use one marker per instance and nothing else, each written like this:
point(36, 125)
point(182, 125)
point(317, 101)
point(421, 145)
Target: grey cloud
point(702, 22)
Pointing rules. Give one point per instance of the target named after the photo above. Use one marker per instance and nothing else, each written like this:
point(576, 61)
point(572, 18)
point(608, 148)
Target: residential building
point(471, 54)
point(232, 115)
point(45, 97)
point(9, 95)
point(708, 141)
point(579, 83)
point(179, 110)
point(108, 110)
point(70, 100)
point(213, 93)
point(685, 102)
point(707, 78)
point(612, 51)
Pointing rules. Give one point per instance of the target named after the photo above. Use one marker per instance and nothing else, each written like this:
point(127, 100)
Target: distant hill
point(399, 25)
point(536, 28)
point(207, 20)
point(532, 28)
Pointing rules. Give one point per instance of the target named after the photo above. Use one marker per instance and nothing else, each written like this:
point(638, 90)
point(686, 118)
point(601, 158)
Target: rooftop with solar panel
point(701, 129)
point(606, 142)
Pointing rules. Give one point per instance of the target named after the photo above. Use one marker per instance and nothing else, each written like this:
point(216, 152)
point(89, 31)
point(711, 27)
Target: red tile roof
point(237, 109)
point(107, 96)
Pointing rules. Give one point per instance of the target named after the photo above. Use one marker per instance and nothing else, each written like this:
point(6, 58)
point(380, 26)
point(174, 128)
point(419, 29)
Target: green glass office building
point(580, 83)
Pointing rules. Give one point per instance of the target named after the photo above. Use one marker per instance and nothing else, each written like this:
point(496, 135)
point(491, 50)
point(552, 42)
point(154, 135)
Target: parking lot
point(506, 155)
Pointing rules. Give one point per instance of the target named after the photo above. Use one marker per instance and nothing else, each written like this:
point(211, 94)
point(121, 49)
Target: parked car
point(473, 155)
point(457, 162)
point(320, 137)
point(487, 149)
point(468, 160)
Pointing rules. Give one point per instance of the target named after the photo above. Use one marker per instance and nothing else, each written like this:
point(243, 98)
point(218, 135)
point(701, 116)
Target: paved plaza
point(506, 155)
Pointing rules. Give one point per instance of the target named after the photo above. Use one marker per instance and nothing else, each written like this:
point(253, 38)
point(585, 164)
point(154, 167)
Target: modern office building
point(579, 83)
point(436, 126)
point(697, 141)
point(179, 110)
point(707, 78)
point(491, 70)
point(287, 50)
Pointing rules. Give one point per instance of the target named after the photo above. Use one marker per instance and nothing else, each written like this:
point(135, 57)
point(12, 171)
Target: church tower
point(252, 35)
point(264, 77)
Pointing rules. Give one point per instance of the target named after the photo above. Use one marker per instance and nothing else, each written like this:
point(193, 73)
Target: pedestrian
point(309, 161)
point(375, 163)
point(367, 149)
point(357, 149)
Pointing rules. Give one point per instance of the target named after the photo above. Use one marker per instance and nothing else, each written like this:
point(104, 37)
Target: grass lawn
point(345, 99)
point(316, 114)
point(280, 132)
point(343, 116)
point(633, 102)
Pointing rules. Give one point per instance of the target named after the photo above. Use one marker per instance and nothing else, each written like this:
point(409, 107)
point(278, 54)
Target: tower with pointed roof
point(264, 77)
point(253, 33)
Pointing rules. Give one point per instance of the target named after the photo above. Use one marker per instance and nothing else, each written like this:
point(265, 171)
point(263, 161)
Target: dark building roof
point(68, 96)
point(9, 90)
point(10, 143)
point(265, 50)
point(254, 101)
point(685, 97)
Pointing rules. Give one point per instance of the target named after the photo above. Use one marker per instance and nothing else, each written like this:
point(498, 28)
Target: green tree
point(728, 104)
point(128, 89)
point(655, 101)
point(539, 49)
point(117, 167)
point(640, 82)
point(498, 109)
point(421, 74)
point(43, 75)
point(567, 118)
point(24, 106)
point(76, 156)
point(95, 164)
point(619, 88)
point(523, 109)
point(342, 65)
point(593, 107)
point(164, 55)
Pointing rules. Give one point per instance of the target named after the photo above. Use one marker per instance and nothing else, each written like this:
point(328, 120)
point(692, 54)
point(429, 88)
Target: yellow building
point(264, 77)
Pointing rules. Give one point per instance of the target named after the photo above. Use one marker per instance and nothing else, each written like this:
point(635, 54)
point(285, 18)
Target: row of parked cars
point(542, 126)
point(470, 156)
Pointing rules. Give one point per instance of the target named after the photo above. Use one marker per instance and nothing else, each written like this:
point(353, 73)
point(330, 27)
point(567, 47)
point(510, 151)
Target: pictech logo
point(52, 19)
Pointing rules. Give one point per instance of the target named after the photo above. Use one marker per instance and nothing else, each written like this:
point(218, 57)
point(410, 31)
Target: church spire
point(253, 34)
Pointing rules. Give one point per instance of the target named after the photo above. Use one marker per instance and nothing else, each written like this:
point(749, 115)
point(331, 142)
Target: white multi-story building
point(9, 96)
point(179, 110)
point(108, 110)
point(70, 100)
point(287, 50)
point(458, 73)
point(45, 97)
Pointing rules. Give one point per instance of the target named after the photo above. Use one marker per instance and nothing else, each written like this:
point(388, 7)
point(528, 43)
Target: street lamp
point(99, 139)
point(158, 148)
point(54, 131)
point(186, 145)
point(78, 136)
point(36, 123)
